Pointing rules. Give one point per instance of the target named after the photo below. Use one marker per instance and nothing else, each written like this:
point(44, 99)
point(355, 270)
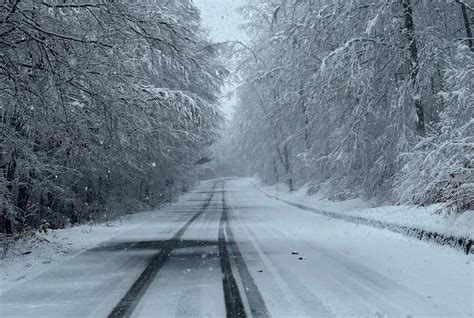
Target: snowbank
point(30, 257)
point(428, 223)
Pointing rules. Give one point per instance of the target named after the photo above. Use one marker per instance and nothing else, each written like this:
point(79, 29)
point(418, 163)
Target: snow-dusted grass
point(28, 257)
point(31, 256)
point(429, 219)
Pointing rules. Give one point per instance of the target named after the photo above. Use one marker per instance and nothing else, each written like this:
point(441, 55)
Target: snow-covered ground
point(430, 218)
point(28, 258)
point(349, 270)
point(287, 262)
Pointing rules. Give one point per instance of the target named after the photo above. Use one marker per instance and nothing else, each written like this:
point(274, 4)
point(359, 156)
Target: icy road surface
point(230, 250)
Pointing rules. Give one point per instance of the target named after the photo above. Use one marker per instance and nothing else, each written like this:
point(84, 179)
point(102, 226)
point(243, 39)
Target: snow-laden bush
point(441, 167)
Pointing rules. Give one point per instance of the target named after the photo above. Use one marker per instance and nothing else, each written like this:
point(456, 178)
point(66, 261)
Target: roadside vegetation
point(106, 108)
point(369, 99)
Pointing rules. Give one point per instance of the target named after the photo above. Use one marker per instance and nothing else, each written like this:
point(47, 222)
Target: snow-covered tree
point(342, 92)
point(104, 104)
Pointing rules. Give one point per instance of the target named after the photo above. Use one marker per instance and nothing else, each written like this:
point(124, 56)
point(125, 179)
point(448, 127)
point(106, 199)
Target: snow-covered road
point(229, 249)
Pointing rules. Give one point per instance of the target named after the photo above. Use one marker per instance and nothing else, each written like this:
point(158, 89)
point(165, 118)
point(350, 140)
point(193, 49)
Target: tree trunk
point(140, 191)
point(5, 224)
point(5, 221)
point(275, 170)
point(415, 66)
point(467, 25)
point(289, 178)
point(304, 110)
point(23, 200)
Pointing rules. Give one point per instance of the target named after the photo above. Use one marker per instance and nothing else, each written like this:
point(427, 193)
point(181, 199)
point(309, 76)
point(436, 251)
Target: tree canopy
point(104, 103)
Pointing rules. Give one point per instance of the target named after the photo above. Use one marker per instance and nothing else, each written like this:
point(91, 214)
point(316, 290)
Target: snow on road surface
point(230, 249)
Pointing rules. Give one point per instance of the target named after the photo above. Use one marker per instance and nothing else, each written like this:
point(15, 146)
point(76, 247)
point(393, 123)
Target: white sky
point(221, 19)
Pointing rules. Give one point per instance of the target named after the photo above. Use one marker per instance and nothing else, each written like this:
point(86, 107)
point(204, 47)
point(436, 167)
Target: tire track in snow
point(129, 301)
point(233, 299)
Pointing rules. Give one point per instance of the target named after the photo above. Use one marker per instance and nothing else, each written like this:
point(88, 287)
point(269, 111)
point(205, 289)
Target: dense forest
point(361, 98)
point(106, 107)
